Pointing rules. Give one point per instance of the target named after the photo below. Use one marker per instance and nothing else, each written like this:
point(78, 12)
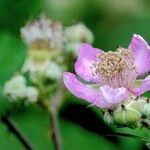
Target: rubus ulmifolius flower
point(113, 76)
point(43, 38)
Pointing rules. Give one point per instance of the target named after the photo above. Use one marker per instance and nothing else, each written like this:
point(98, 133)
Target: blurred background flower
point(17, 91)
point(75, 35)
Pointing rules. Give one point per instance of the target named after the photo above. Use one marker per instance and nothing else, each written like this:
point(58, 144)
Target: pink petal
point(105, 97)
point(141, 53)
point(144, 87)
point(86, 57)
point(79, 89)
point(113, 96)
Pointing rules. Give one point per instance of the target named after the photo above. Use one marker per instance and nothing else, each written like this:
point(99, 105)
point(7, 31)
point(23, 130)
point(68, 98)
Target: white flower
point(15, 88)
point(43, 33)
point(75, 35)
point(46, 70)
point(71, 47)
point(31, 94)
point(53, 70)
point(78, 33)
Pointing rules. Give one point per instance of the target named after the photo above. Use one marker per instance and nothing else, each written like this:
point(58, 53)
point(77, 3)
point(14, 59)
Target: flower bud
point(146, 109)
point(108, 118)
point(53, 70)
point(31, 94)
point(44, 38)
point(128, 114)
point(46, 70)
point(78, 33)
point(75, 35)
point(15, 88)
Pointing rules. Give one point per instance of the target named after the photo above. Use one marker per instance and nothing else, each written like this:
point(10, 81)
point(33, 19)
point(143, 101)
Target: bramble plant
point(112, 81)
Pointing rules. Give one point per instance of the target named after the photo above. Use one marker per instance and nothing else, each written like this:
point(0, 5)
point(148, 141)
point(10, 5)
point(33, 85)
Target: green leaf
point(34, 123)
point(11, 60)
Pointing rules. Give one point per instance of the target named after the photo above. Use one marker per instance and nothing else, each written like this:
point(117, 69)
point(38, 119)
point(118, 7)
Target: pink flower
point(110, 76)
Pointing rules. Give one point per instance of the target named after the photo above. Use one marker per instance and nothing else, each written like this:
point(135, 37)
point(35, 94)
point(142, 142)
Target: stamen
point(116, 69)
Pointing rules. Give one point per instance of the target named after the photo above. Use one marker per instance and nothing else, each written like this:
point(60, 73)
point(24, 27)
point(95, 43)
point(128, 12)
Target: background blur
point(113, 22)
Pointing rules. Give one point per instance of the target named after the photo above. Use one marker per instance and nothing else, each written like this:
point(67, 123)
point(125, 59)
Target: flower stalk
point(54, 109)
point(55, 130)
point(52, 106)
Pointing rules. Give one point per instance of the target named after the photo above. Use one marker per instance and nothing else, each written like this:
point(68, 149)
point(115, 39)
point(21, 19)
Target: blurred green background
point(113, 23)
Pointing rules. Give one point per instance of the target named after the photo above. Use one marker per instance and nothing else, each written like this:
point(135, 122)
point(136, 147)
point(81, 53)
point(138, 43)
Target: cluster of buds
point(129, 113)
point(44, 63)
point(16, 90)
point(44, 40)
point(75, 35)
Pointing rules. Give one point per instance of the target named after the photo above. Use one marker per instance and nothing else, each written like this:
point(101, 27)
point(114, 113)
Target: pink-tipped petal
point(144, 87)
point(105, 97)
point(141, 53)
point(113, 96)
point(86, 57)
point(79, 89)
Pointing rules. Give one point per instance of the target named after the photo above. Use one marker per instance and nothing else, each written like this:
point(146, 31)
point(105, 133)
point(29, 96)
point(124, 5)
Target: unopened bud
point(15, 88)
point(31, 94)
point(47, 70)
point(75, 35)
point(146, 109)
point(108, 118)
point(78, 33)
point(128, 114)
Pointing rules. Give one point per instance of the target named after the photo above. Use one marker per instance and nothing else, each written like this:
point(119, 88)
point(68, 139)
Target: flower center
point(116, 69)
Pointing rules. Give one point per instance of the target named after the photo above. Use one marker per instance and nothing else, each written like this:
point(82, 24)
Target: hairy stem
point(14, 130)
point(55, 131)
point(54, 108)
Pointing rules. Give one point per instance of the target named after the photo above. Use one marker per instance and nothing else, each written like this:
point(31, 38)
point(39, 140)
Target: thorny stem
point(14, 130)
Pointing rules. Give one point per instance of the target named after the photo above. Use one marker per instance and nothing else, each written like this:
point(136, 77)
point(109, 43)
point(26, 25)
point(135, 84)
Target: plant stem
point(54, 108)
point(55, 131)
point(14, 130)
